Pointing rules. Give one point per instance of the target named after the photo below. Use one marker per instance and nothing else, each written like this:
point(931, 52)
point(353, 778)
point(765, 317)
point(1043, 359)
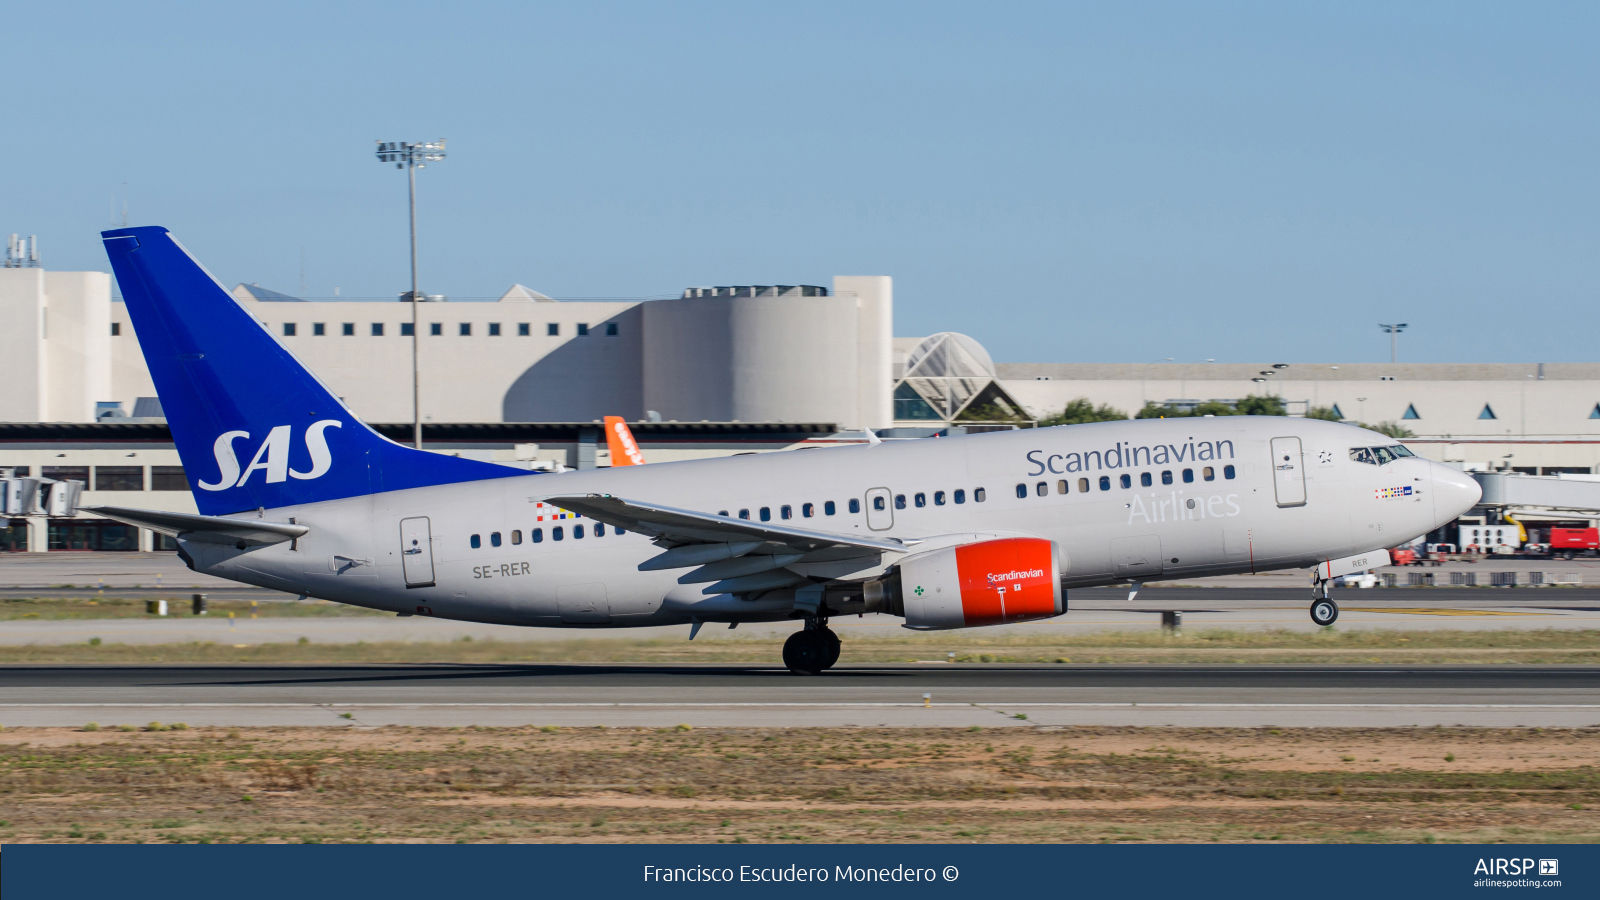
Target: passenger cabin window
point(1208, 473)
point(1105, 482)
point(979, 495)
point(476, 542)
point(938, 498)
point(920, 500)
point(1166, 476)
point(766, 514)
point(722, 512)
point(1022, 492)
point(556, 533)
point(494, 539)
point(577, 532)
point(1127, 481)
point(516, 538)
point(1063, 486)
point(855, 505)
point(960, 496)
point(786, 511)
point(1042, 489)
point(599, 529)
point(1144, 479)
point(899, 501)
point(878, 504)
point(1188, 476)
point(808, 510)
point(536, 535)
point(1227, 472)
point(744, 513)
point(828, 508)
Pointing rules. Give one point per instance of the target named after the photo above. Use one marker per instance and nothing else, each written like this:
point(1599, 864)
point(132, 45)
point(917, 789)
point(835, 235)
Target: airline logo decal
point(1393, 493)
point(556, 514)
point(272, 457)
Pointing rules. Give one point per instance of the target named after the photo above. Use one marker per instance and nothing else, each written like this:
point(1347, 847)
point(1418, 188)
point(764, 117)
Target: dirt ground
point(163, 784)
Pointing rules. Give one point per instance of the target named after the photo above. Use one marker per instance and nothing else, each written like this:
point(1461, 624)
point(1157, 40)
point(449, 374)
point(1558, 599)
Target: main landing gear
point(1324, 611)
point(812, 650)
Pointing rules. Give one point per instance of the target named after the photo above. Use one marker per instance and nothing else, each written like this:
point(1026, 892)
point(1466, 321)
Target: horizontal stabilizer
point(211, 529)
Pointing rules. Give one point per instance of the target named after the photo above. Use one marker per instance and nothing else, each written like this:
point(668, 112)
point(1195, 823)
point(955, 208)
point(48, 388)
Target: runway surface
point(1092, 610)
point(730, 696)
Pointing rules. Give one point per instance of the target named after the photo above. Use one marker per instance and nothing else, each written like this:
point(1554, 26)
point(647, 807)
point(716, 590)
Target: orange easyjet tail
point(624, 449)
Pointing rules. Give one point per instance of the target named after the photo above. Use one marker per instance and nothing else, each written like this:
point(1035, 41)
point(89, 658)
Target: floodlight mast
point(411, 157)
point(1393, 331)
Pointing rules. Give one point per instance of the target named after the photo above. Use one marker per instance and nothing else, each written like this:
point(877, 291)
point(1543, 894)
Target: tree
point(1325, 413)
point(1392, 429)
point(1267, 405)
point(1081, 410)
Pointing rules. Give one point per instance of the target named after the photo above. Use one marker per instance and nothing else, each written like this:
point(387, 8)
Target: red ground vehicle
point(1404, 556)
point(1568, 542)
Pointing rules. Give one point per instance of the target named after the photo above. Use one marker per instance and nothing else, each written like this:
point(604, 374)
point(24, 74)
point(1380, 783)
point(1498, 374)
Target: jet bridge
point(1542, 494)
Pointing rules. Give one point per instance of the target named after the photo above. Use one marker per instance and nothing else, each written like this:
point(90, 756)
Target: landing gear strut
point(1324, 611)
point(812, 650)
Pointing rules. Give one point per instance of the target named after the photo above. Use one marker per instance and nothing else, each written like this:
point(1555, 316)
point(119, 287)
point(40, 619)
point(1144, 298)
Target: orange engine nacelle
point(985, 583)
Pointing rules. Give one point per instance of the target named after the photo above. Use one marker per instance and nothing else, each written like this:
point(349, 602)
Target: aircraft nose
point(1454, 492)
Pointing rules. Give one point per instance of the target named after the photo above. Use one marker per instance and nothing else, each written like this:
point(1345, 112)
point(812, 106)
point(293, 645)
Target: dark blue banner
point(93, 872)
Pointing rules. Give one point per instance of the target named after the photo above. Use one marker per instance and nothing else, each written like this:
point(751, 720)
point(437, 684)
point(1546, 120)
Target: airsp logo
point(272, 457)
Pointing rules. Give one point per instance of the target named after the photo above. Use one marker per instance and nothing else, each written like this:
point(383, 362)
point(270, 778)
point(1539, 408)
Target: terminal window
point(611, 329)
point(523, 329)
point(436, 328)
point(583, 329)
point(494, 329)
point(168, 478)
point(318, 329)
point(349, 329)
point(119, 478)
point(553, 329)
point(116, 329)
point(466, 329)
point(377, 329)
point(288, 329)
point(407, 329)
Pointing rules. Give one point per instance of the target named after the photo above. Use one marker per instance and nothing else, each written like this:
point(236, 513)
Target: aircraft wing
point(212, 529)
point(672, 527)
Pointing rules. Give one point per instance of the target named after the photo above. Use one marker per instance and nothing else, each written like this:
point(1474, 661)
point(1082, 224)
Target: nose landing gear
point(813, 650)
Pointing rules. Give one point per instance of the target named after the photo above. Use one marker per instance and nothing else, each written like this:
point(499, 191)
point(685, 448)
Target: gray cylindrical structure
point(756, 359)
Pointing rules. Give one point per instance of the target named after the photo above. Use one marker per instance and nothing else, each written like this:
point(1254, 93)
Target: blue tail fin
point(252, 426)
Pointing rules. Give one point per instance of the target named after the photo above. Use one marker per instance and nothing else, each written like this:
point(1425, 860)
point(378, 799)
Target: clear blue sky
point(1065, 182)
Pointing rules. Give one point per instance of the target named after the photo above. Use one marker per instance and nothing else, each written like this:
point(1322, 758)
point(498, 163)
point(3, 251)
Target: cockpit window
point(1379, 456)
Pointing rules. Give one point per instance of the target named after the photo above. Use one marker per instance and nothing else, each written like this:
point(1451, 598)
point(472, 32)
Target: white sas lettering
point(273, 456)
point(227, 463)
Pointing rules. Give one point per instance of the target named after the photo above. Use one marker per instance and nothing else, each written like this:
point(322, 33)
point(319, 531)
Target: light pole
point(411, 157)
point(1393, 331)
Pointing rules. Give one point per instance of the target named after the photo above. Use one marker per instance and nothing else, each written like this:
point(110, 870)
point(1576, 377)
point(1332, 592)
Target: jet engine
point(982, 583)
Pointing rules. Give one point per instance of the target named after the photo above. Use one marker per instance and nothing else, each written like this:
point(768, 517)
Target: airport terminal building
point(713, 371)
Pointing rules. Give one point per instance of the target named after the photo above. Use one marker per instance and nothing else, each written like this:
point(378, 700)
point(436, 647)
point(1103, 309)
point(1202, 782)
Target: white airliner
point(297, 495)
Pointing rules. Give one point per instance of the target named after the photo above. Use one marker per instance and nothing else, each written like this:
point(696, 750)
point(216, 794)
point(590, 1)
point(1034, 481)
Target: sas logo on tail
point(272, 457)
point(1393, 493)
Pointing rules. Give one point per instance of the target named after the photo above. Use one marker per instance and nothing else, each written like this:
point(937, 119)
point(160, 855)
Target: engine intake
point(983, 583)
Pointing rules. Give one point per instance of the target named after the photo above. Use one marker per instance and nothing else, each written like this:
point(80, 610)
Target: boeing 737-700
point(296, 494)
